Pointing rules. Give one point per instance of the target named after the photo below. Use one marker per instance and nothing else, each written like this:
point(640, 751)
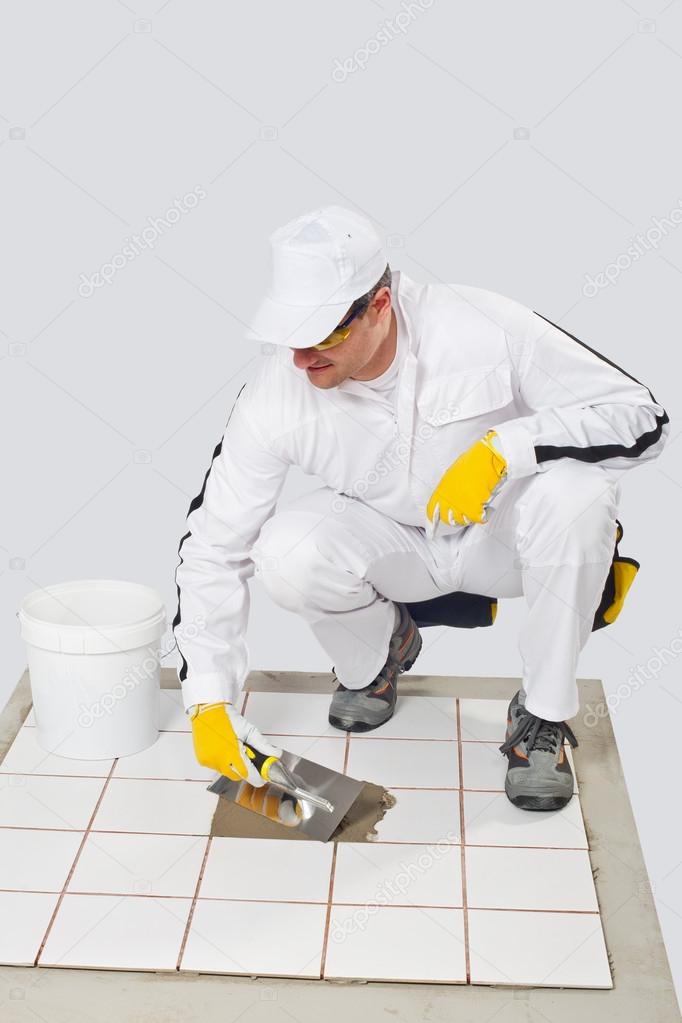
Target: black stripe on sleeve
point(599, 452)
point(196, 503)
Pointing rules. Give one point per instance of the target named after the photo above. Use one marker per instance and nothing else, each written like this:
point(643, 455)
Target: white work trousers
point(550, 538)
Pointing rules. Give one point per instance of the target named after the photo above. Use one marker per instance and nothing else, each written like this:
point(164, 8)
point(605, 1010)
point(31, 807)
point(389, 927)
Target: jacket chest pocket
point(465, 395)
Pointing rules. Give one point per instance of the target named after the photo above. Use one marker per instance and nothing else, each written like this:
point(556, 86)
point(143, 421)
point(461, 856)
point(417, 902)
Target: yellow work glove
point(220, 734)
point(467, 486)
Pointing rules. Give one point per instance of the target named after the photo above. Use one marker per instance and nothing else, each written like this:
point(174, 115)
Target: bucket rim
point(25, 615)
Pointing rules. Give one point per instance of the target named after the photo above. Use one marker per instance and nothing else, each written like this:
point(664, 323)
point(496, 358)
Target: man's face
point(357, 356)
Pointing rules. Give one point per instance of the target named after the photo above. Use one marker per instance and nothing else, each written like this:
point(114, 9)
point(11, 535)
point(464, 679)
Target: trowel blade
point(340, 790)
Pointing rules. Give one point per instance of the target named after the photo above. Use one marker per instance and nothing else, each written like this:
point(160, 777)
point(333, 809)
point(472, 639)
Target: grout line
point(424, 788)
point(363, 737)
point(196, 834)
point(107, 831)
point(148, 777)
point(28, 827)
point(73, 865)
point(442, 905)
point(194, 902)
point(332, 873)
point(45, 774)
point(465, 908)
point(30, 891)
point(327, 919)
point(97, 777)
point(548, 848)
point(301, 902)
point(198, 781)
point(315, 735)
point(527, 909)
point(127, 895)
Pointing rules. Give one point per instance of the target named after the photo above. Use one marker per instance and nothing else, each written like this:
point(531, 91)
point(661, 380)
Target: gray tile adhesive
point(359, 824)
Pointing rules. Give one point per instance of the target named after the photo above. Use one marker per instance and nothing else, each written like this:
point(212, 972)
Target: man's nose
point(304, 356)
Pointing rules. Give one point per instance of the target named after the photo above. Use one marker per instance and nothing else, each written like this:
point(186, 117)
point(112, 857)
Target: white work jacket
point(474, 360)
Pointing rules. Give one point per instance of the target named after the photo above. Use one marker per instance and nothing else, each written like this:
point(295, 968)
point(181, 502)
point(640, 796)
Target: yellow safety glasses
point(339, 333)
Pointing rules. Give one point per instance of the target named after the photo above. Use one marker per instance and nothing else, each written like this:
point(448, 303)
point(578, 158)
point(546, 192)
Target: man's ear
point(381, 303)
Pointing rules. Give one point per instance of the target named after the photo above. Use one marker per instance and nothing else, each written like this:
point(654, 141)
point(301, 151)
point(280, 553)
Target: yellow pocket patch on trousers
point(624, 572)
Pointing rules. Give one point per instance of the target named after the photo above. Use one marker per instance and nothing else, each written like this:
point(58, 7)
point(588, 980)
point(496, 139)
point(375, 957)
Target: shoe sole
point(529, 802)
point(352, 725)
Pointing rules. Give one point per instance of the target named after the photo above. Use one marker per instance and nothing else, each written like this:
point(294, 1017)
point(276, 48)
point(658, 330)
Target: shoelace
point(539, 734)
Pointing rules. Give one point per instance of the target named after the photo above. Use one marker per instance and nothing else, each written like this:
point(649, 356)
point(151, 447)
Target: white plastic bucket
point(93, 661)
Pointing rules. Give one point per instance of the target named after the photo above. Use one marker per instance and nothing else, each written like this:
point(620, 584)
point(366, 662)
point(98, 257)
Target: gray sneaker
point(539, 776)
point(361, 710)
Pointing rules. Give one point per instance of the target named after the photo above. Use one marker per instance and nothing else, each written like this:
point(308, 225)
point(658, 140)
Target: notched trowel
point(322, 797)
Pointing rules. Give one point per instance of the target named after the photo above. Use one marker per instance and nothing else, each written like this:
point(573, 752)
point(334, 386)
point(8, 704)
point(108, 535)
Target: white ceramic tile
point(117, 932)
point(164, 807)
point(30, 720)
point(490, 819)
point(37, 861)
point(484, 767)
point(329, 752)
point(552, 879)
point(25, 756)
point(543, 949)
point(423, 875)
point(290, 713)
point(414, 763)
point(121, 864)
point(171, 756)
point(30, 914)
point(41, 801)
point(393, 943)
point(252, 868)
point(418, 717)
point(483, 719)
point(278, 938)
point(172, 716)
point(421, 815)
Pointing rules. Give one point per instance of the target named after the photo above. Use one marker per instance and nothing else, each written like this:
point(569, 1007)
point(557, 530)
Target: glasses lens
point(335, 338)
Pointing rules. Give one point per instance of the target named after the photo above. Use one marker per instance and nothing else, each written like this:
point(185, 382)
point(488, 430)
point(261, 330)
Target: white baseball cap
point(320, 263)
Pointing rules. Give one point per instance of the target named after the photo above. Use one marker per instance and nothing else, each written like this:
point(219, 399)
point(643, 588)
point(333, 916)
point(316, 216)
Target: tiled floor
point(109, 864)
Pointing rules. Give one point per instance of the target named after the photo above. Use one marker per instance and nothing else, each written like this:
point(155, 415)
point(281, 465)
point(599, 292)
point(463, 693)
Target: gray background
point(517, 147)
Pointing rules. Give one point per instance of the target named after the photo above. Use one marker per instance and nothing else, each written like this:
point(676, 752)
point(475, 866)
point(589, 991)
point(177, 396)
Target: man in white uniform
point(464, 444)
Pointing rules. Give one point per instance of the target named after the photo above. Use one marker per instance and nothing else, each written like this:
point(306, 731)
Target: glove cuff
point(494, 444)
point(199, 708)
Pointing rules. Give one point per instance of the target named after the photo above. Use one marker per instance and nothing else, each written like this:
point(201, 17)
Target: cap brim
point(294, 325)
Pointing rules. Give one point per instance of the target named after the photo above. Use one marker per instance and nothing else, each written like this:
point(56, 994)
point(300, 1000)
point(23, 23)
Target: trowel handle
point(284, 779)
point(261, 761)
